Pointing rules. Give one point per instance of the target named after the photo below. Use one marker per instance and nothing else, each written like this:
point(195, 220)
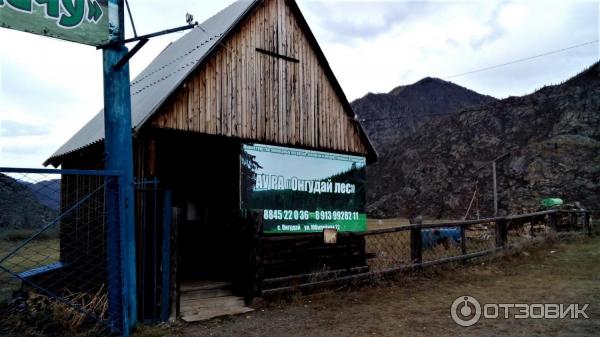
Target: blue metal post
point(166, 258)
point(116, 307)
point(119, 156)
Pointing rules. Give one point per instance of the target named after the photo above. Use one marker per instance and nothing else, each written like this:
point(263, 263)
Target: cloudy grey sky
point(50, 88)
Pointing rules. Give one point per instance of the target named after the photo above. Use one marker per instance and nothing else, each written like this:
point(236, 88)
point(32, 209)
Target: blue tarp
point(432, 237)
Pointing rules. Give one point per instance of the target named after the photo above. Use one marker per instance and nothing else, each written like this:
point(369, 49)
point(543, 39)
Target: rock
point(390, 117)
point(551, 139)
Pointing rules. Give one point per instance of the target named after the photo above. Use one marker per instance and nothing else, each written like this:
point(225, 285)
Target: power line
point(523, 59)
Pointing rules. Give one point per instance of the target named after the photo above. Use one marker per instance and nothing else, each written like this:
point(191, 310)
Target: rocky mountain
point(548, 141)
point(389, 117)
point(20, 207)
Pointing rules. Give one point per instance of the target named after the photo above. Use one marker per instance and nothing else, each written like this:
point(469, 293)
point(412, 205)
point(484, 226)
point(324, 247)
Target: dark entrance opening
point(204, 173)
point(210, 248)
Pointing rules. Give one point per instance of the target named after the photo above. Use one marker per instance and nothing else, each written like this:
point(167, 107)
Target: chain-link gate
point(60, 271)
point(153, 239)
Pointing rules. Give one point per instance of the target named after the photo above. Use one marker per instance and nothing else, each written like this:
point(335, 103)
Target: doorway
point(204, 174)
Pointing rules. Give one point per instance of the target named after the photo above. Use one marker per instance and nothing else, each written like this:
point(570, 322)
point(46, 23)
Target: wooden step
point(204, 293)
point(202, 300)
point(203, 285)
point(207, 308)
point(199, 304)
point(214, 312)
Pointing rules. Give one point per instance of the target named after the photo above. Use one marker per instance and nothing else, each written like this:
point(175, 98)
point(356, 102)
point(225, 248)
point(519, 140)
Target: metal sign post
point(100, 23)
point(119, 156)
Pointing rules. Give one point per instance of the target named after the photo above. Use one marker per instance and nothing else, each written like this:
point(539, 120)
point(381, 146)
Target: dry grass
point(34, 254)
point(32, 314)
point(35, 314)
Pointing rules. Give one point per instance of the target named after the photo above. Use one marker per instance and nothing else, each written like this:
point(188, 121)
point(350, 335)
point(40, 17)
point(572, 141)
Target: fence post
point(177, 215)
point(258, 265)
point(532, 223)
point(587, 223)
point(175, 263)
point(553, 221)
point(501, 233)
point(416, 246)
point(257, 268)
point(463, 240)
point(166, 258)
point(349, 241)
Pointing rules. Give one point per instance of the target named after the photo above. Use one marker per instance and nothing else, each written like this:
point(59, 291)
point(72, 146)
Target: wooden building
point(253, 72)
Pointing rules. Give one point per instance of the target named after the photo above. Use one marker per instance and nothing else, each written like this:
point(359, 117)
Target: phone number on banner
point(288, 214)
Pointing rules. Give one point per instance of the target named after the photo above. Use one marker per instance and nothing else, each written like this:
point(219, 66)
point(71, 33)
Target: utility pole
point(494, 182)
point(495, 188)
point(119, 157)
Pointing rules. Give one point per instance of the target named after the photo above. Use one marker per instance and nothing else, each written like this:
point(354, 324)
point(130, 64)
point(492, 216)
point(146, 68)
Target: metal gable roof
point(164, 74)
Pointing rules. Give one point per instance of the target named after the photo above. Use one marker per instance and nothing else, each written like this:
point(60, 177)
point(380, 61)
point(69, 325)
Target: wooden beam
point(270, 53)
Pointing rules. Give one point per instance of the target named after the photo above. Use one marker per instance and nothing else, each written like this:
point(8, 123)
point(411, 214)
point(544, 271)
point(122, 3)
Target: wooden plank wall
point(301, 254)
point(240, 92)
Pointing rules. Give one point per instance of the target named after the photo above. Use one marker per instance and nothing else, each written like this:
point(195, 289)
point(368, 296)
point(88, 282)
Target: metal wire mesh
point(480, 237)
point(523, 231)
point(391, 250)
point(53, 268)
point(388, 250)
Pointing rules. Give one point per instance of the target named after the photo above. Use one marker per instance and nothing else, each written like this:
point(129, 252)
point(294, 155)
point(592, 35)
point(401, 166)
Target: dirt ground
point(419, 305)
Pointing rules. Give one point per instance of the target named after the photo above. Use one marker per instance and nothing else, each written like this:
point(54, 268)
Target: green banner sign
point(82, 21)
point(303, 191)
